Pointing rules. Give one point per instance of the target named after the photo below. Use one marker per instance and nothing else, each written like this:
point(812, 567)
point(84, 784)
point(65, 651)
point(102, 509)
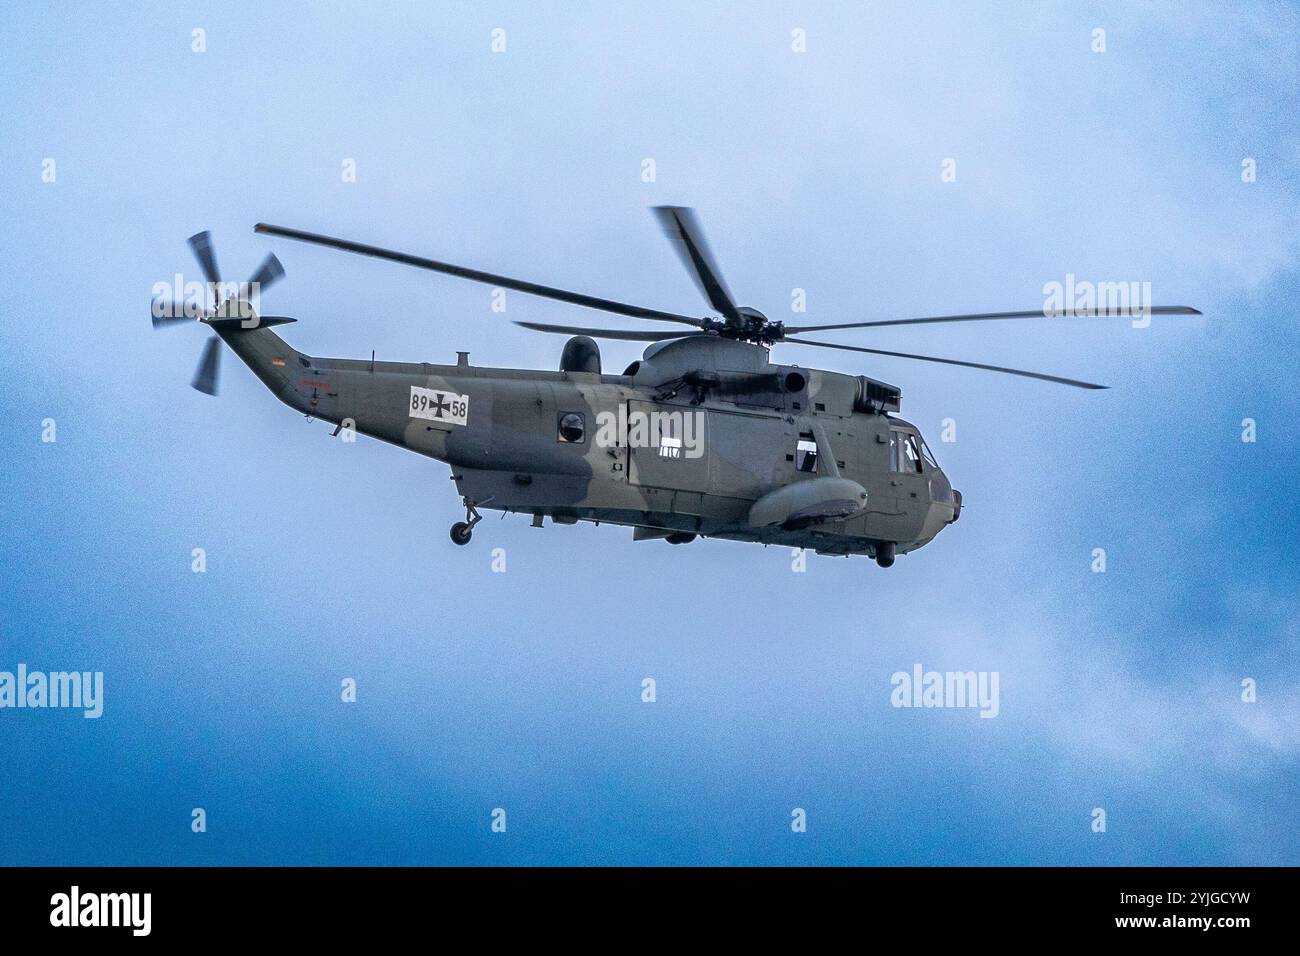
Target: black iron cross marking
point(440, 405)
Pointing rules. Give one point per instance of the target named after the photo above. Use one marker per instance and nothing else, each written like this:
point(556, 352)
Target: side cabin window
point(805, 453)
point(572, 428)
point(904, 452)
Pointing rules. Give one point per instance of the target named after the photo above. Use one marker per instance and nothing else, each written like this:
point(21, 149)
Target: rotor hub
point(747, 325)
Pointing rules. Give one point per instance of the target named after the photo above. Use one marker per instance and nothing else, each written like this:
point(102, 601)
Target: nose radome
point(956, 505)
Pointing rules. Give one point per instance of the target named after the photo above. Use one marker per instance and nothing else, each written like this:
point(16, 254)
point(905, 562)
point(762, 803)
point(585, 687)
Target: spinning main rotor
point(732, 321)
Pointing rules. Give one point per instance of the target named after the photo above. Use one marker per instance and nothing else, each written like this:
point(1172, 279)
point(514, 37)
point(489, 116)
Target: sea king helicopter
point(702, 437)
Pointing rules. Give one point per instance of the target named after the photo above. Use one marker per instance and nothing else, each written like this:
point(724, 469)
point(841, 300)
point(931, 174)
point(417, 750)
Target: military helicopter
point(702, 437)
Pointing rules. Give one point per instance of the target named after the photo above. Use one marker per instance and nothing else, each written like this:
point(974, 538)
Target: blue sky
point(521, 690)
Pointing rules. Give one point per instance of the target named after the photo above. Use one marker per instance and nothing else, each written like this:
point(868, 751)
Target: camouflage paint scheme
point(508, 455)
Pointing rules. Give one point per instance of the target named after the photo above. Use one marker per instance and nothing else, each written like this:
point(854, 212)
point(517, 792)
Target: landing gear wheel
point(462, 531)
point(885, 554)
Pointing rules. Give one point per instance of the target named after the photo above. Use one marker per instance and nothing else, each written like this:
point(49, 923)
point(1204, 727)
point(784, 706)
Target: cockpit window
point(904, 452)
point(928, 455)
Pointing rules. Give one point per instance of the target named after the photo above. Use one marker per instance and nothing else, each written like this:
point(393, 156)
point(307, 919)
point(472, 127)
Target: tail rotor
point(233, 307)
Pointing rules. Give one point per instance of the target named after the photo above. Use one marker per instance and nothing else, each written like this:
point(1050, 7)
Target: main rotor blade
point(983, 316)
point(944, 361)
point(627, 336)
point(205, 376)
point(532, 288)
point(201, 245)
point(683, 229)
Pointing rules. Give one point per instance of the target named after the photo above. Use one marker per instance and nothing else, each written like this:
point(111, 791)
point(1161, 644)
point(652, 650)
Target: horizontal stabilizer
point(261, 321)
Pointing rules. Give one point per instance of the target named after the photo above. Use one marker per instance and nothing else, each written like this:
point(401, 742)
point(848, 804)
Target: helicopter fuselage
point(702, 437)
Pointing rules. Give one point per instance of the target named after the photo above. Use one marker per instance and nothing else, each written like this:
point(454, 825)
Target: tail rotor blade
point(205, 376)
point(167, 314)
point(201, 245)
point(267, 274)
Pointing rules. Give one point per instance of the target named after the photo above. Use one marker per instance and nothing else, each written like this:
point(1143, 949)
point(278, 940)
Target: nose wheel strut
point(462, 531)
